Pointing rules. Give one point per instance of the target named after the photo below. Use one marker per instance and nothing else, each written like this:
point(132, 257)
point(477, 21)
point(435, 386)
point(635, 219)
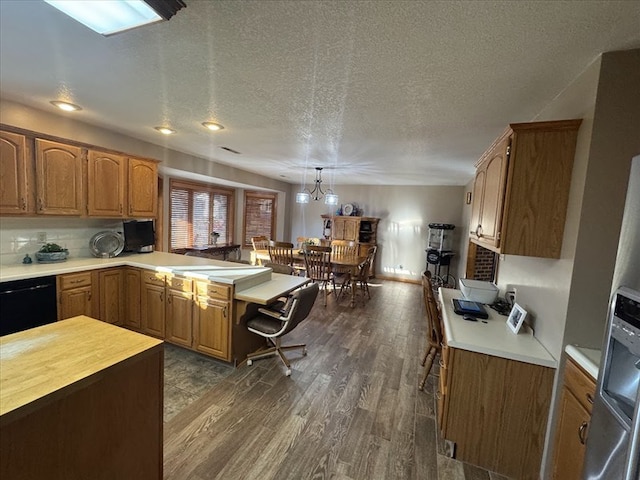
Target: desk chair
point(275, 324)
point(317, 261)
point(434, 329)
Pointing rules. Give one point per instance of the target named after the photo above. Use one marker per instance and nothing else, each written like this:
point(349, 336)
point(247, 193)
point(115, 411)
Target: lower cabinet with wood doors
point(212, 319)
point(179, 319)
point(576, 401)
point(75, 295)
point(152, 303)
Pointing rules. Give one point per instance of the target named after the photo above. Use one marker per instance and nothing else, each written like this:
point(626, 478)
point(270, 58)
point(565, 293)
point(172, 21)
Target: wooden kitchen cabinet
point(494, 410)
point(132, 298)
point(179, 319)
point(112, 296)
point(16, 175)
point(142, 181)
point(488, 188)
point(345, 228)
point(106, 181)
point(75, 295)
point(573, 425)
point(59, 178)
point(212, 320)
point(152, 303)
point(521, 189)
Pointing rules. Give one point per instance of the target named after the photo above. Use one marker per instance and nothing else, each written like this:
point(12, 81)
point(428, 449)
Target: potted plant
point(214, 237)
point(52, 252)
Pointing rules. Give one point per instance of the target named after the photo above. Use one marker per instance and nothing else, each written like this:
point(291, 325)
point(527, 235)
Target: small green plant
point(51, 247)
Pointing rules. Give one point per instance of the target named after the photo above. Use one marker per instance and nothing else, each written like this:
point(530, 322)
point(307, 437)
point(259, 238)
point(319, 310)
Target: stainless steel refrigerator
point(613, 442)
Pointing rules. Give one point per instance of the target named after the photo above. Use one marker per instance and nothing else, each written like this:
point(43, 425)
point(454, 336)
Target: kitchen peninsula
point(193, 302)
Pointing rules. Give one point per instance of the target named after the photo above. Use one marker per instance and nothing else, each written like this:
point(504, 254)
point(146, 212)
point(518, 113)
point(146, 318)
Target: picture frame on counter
point(516, 318)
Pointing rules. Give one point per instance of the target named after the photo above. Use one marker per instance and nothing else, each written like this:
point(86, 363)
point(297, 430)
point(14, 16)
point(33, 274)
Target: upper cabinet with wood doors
point(44, 176)
point(106, 179)
point(521, 189)
point(143, 188)
point(60, 186)
point(16, 175)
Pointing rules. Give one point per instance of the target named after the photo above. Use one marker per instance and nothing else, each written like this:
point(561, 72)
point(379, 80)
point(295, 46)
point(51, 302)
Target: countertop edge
point(587, 358)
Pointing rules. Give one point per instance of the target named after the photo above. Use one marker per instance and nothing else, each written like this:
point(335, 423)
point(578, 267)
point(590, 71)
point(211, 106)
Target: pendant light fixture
point(317, 193)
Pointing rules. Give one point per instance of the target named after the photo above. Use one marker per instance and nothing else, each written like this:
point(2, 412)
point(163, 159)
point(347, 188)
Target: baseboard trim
point(398, 279)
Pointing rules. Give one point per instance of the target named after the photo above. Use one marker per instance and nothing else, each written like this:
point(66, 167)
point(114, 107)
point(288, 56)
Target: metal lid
point(106, 244)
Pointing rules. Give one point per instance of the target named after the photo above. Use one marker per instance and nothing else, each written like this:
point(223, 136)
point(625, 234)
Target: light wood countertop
point(493, 337)
point(37, 365)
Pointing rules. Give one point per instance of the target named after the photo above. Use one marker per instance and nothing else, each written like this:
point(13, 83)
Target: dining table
point(342, 263)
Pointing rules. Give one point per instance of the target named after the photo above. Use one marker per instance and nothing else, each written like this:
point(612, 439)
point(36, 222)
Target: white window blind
point(259, 216)
point(197, 210)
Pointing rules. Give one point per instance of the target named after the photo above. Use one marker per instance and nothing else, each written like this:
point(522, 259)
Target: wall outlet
point(42, 237)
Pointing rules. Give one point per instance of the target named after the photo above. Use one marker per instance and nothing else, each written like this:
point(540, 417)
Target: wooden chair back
point(281, 252)
point(260, 243)
point(344, 248)
point(317, 261)
point(434, 327)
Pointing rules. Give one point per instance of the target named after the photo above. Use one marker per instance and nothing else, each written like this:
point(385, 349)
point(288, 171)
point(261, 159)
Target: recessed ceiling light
point(212, 126)
point(165, 130)
point(66, 106)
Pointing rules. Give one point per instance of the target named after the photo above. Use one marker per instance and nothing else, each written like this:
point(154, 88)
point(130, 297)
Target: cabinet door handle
point(224, 313)
point(479, 231)
point(582, 432)
point(24, 203)
point(120, 208)
point(162, 296)
point(169, 299)
point(590, 398)
point(40, 204)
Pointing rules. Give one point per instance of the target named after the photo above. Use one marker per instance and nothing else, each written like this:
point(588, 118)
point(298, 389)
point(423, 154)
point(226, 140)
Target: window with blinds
point(259, 216)
point(196, 210)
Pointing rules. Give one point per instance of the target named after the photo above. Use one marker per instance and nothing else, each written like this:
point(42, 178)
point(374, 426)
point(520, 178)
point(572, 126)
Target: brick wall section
point(485, 264)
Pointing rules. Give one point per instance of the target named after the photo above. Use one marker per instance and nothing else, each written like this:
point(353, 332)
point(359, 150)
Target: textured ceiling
point(377, 92)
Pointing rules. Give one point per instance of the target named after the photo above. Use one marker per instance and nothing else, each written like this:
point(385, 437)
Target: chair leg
point(427, 368)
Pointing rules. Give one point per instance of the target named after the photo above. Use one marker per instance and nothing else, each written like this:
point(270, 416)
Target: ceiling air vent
point(230, 150)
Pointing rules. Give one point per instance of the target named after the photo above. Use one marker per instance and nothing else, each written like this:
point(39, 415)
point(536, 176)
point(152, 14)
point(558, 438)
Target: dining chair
point(281, 252)
point(342, 275)
point(274, 324)
point(317, 261)
point(434, 329)
point(260, 244)
point(364, 272)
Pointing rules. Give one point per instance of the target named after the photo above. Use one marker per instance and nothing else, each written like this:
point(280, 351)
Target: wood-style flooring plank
point(351, 409)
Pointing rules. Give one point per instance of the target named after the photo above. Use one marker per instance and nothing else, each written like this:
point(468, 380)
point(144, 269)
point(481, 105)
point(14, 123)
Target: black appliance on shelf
point(139, 236)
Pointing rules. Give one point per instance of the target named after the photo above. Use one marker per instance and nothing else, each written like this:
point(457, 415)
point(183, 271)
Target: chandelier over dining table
point(317, 193)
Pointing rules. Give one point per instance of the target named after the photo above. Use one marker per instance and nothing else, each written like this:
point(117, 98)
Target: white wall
point(405, 212)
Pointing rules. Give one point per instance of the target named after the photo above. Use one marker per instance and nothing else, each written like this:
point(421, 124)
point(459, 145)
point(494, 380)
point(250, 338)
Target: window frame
point(200, 187)
point(255, 194)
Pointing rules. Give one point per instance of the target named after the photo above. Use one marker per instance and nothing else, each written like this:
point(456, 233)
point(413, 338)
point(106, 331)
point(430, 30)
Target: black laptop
point(467, 307)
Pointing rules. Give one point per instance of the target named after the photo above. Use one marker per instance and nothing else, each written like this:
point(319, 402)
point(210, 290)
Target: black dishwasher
point(27, 303)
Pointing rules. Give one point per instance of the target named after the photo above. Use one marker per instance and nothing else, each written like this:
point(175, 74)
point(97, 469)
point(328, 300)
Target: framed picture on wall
point(516, 318)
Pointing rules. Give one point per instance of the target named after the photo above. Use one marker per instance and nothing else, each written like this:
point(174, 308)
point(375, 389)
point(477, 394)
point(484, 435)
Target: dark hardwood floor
point(350, 410)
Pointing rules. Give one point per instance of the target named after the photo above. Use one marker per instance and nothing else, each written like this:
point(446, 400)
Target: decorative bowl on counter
point(51, 253)
point(51, 257)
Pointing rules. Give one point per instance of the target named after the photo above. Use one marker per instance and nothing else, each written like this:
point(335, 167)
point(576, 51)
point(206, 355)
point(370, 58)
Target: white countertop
point(587, 358)
point(267, 292)
point(491, 338)
point(241, 275)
